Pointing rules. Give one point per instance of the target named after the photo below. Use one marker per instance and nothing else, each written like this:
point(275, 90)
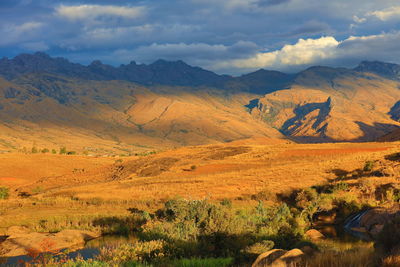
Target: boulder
point(314, 235)
point(279, 258)
point(34, 243)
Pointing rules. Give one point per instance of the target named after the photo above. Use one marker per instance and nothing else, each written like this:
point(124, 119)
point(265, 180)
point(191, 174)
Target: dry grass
point(391, 261)
point(349, 258)
point(57, 185)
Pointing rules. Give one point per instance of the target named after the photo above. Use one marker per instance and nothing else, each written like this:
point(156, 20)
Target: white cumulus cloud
point(386, 14)
point(305, 51)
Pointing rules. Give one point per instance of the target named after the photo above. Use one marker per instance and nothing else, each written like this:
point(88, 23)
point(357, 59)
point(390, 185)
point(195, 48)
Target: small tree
point(53, 151)
point(63, 150)
point(4, 192)
point(34, 150)
point(45, 150)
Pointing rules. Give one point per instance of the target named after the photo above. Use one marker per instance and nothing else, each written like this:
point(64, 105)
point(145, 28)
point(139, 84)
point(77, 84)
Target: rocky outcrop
point(370, 223)
point(279, 258)
point(21, 241)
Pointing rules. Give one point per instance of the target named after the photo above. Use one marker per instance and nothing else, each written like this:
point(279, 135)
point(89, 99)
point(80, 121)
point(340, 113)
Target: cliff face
point(326, 104)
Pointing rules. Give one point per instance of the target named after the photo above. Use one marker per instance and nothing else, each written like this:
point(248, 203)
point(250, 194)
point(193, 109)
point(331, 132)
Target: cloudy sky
point(227, 36)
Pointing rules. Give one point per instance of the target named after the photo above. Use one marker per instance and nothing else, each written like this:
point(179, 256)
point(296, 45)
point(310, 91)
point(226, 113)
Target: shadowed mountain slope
point(328, 104)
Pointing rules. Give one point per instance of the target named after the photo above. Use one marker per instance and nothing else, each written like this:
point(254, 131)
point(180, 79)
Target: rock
point(267, 258)
point(292, 256)
point(34, 243)
point(376, 230)
point(314, 235)
point(279, 258)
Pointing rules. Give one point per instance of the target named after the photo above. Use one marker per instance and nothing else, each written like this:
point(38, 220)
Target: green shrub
point(134, 252)
point(368, 166)
point(4, 192)
point(342, 186)
point(63, 150)
point(45, 150)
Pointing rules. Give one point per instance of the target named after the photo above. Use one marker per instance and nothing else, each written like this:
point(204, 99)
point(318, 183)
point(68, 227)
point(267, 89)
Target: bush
point(368, 166)
point(63, 150)
point(197, 228)
point(4, 192)
point(135, 252)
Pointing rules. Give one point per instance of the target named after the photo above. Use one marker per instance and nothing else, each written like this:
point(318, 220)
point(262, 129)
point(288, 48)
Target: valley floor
point(44, 186)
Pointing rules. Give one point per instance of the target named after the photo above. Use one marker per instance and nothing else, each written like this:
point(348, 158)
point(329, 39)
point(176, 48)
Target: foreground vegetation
point(205, 233)
point(230, 230)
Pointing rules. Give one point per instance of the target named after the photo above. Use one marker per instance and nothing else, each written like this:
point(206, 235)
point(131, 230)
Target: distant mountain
point(387, 70)
point(261, 82)
point(161, 72)
point(51, 102)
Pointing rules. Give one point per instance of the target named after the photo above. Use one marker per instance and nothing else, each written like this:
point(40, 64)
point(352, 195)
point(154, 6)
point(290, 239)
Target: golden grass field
point(61, 187)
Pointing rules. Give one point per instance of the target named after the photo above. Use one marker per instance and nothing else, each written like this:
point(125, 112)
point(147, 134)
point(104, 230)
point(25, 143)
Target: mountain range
point(51, 102)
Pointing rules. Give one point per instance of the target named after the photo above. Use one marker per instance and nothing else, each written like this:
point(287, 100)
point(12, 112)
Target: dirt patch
point(223, 152)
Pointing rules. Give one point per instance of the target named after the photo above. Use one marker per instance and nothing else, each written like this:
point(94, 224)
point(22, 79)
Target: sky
point(225, 36)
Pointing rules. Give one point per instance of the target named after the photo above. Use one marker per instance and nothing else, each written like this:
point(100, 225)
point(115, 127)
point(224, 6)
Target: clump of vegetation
point(63, 150)
point(135, 252)
point(4, 192)
point(368, 166)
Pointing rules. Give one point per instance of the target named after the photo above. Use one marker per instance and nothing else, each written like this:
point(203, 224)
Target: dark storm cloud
point(225, 35)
